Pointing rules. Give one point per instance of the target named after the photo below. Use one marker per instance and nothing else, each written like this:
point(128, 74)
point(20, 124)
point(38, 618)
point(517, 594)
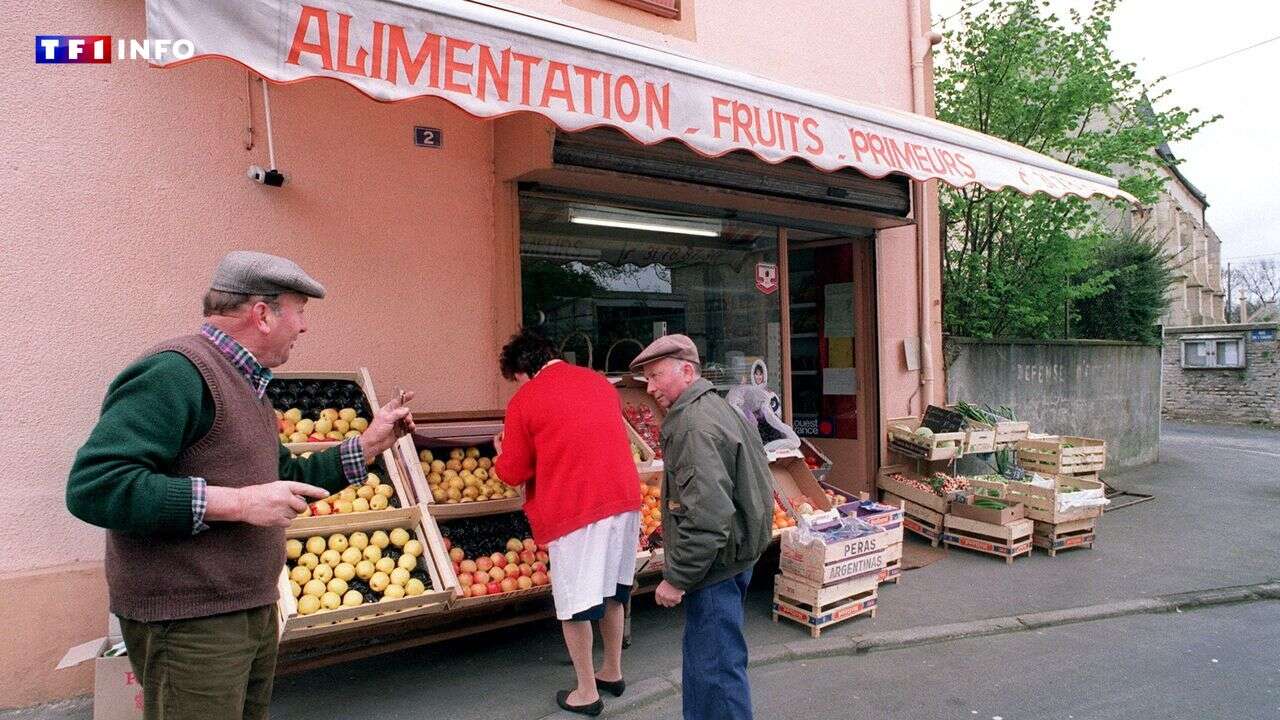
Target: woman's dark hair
point(526, 352)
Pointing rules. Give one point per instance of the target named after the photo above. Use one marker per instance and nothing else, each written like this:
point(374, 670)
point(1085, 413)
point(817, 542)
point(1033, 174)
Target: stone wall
point(1090, 388)
point(1225, 395)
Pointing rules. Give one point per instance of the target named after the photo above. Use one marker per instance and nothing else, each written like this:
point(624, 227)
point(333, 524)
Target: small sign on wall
point(1261, 336)
point(428, 137)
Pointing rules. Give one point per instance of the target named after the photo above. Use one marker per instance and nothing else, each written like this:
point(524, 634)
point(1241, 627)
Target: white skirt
point(589, 564)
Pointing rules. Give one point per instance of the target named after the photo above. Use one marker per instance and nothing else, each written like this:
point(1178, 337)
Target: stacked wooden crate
point(825, 582)
point(1002, 531)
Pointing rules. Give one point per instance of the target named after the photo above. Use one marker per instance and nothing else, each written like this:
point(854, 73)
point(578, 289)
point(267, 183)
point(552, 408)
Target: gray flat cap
point(255, 273)
point(677, 346)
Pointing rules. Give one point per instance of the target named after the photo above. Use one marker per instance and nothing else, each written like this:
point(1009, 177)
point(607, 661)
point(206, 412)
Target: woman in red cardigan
point(564, 440)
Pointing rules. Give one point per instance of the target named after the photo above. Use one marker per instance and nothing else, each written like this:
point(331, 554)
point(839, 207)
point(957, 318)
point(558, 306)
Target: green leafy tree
point(1016, 266)
point(1139, 275)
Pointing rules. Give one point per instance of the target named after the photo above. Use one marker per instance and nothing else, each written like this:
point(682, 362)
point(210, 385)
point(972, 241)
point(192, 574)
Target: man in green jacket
point(716, 522)
point(186, 472)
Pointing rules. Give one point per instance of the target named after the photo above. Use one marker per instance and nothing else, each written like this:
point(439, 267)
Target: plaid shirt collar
point(257, 376)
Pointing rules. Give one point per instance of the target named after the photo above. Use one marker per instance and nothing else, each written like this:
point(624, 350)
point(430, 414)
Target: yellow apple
point(300, 574)
point(359, 424)
point(379, 582)
point(407, 562)
point(347, 414)
point(337, 585)
point(308, 604)
point(350, 434)
point(378, 502)
point(329, 414)
point(358, 540)
point(365, 569)
point(298, 437)
point(341, 426)
point(330, 601)
point(385, 565)
point(414, 548)
point(293, 549)
point(414, 587)
point(338, 541)
point(314, 588)
point(322, 572)
point(293, 415)
point(316, 544)
point(345, 570)
point(306, 427)
point(352, 599)
point(426, 456)
point(393, 592)
point(359, 505)
point(334, 435)
point(309, 560)
point(323, 425)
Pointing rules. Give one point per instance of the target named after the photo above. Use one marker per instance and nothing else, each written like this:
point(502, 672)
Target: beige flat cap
point(680, 347)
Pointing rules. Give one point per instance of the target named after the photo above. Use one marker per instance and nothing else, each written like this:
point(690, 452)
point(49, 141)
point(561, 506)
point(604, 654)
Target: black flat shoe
point(592, 709)
point(613, 688)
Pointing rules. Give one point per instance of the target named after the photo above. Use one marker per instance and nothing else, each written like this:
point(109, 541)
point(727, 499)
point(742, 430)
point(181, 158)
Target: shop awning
point(492, 62)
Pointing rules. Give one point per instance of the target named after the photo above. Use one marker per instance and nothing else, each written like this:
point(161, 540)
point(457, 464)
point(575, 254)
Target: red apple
point(466, 591)
point(498, 560)
point(526, 570)
point(457, 567)
point(513, 558)
point(514, 544)
point(497, 574)
point(530, 545)
point(542, 556)
point(524, 583)
point(468, 566)
point(464, 580)
point(508, 585)
point(478, 590)
point(484, 564)
point(527, 557)
point(539, 567)
point(317, 437)
point(540, 579)
point(448, 544)
point(493, 588)
point(457, 554)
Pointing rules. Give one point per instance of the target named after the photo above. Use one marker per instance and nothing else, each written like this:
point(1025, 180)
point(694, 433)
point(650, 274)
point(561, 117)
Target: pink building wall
point(123, 185)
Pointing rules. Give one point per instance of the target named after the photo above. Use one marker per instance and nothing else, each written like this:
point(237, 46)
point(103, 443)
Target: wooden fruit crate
point(387, 470)
point(918, 519)
point(892, 572)
point(815, 456)
point(1006, 541)
point(293, 626)
point(632, 392)
point(924, 498)
point(1052, 456)
point(806, 565)
point(939, 446)
point(1053, 538)
point(441, 432)
point(818, 607)
point(360, 377)
point(1009, 432)
point(1042, 503)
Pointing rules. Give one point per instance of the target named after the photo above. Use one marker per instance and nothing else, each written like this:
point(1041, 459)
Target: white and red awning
point(491, 62)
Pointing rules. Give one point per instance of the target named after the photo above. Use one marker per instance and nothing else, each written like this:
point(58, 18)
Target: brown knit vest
point(230, 566)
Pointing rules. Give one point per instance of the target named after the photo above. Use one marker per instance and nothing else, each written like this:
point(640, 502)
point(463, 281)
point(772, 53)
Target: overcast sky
point(1235, 161)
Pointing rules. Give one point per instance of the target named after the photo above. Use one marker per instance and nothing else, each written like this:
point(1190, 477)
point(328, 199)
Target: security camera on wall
point(271, 177)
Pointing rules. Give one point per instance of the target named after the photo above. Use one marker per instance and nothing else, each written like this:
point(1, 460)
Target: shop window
point(665, 8)
point(824, 376)
point(1213, 352)
point(604, 281)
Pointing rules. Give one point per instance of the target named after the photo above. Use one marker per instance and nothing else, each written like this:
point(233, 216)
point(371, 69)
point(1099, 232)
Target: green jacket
point(157, 406)
point(717, 490)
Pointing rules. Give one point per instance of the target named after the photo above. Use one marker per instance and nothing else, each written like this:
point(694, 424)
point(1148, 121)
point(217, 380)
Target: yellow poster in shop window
point(840, 352)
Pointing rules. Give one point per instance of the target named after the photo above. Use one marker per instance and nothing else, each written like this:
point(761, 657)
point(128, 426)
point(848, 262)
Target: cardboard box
point(1010, 512)
point(117, 695)
point(792, 477)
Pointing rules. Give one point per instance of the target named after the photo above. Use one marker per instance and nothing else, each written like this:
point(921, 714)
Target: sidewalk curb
point(832, 645)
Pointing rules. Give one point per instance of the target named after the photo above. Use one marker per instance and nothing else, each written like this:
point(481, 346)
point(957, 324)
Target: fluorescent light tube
point(651, 227)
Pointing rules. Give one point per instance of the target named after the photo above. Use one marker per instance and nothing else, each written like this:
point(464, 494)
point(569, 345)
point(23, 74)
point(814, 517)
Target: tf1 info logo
point(98, 49)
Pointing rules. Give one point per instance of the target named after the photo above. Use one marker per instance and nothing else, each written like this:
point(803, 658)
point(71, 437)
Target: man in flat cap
point(716, 524)
point(186, 472)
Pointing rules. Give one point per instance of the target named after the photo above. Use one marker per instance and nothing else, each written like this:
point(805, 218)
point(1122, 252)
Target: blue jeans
point(715, 652)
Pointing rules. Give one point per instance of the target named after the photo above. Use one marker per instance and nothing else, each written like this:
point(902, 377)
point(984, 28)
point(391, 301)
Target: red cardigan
point(564, 428)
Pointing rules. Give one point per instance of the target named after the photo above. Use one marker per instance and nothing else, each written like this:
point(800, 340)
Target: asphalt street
point(1214, 663)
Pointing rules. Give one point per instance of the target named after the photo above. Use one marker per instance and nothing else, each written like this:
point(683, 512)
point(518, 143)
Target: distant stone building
point(1177, 219)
